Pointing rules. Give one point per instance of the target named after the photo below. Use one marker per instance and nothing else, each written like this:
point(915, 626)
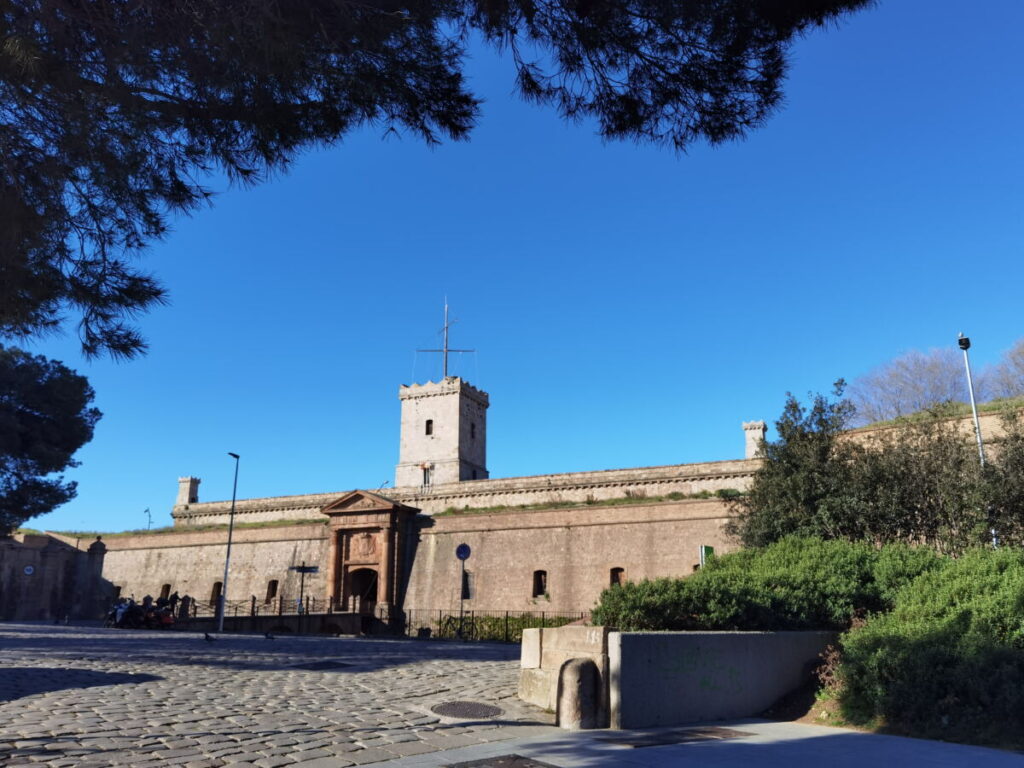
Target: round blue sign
point(462, 551)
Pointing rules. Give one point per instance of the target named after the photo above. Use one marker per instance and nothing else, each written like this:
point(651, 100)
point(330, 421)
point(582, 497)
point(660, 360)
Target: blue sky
point(629, 306)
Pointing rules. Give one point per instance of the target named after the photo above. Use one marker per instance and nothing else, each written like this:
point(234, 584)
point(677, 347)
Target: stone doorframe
point(366, 531)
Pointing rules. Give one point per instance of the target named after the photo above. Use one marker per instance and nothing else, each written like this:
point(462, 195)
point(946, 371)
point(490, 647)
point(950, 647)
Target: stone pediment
point(361, 502)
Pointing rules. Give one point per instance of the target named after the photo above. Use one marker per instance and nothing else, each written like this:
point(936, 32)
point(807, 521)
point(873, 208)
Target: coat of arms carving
point(364, 544)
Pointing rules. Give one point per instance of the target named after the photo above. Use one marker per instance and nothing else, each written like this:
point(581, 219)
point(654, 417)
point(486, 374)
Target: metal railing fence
point(441, 624)
point(500, 626)
point(253, 606)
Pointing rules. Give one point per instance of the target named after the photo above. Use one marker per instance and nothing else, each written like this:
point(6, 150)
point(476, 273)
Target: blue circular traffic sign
point(462, 551)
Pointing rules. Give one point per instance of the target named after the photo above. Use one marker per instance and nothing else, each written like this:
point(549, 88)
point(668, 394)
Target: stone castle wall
point(576, 548)
point(992, 430)
point(46, 577)
point(191, 562)
point(511, 491)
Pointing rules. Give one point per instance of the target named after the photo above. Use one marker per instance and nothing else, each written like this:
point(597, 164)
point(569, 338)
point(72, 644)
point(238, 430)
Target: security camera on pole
point(965, 344)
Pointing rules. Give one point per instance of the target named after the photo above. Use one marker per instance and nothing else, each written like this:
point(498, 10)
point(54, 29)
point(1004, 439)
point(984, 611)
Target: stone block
point(531, 648)
point(588, 641)
point(538, 687)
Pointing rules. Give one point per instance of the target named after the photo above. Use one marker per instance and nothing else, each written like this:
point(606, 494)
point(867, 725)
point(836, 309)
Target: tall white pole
point(965, 344)
point(227, 560)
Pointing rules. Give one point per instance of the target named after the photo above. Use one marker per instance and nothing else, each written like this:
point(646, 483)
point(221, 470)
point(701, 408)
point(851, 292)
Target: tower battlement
point(448, 386)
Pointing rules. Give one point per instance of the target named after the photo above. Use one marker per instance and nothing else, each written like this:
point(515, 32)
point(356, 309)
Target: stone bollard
point(578, 695)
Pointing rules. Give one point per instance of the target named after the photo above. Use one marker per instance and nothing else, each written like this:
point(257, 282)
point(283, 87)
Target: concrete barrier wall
point(671, 678)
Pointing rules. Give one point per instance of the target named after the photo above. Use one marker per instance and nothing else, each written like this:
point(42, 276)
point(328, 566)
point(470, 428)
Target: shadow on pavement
point(835, 750)
point(238, 652)
point(16, 682)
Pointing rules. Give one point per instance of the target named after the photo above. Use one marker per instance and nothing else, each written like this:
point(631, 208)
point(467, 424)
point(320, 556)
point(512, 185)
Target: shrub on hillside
point(948, 660)
point(897, 565)
point(795, 583)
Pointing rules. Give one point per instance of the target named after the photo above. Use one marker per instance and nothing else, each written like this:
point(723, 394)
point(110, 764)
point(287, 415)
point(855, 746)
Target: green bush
point(793, 584)
point(897, 565)
point(498, 628)
point(948, 660)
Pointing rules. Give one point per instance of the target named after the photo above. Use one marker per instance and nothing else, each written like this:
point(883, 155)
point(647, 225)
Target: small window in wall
point(467, 585)
point(618, 577)
point(429, 430)
point(271, 590)
point(472, 430)
point(540, 583)
point(215, 593)
point(426, 475)
point(165, 591)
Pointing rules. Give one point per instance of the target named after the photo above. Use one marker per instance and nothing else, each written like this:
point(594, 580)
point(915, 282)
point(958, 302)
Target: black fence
point(316, 615)
point(499, 626)
point(279, 606)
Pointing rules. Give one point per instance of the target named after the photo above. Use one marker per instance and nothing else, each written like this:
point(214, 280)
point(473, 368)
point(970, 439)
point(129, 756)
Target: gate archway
point(367, 546)
point(362, 590)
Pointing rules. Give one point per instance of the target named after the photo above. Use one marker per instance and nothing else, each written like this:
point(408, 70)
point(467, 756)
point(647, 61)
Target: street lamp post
point(965, 344)
point(221, 608)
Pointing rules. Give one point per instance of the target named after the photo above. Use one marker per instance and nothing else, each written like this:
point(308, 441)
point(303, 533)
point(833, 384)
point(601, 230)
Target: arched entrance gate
point(366, 548)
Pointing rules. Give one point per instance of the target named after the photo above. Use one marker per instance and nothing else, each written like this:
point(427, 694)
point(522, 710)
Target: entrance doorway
point(362, 590)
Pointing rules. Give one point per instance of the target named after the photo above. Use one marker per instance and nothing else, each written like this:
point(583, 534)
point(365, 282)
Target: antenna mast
point(445, 349)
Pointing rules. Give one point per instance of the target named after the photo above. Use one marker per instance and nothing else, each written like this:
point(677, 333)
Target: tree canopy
point(1006, 378)
point(913, 382)
point(918, 382)
point(112, 114)
point(917, 482)
point(45, 416)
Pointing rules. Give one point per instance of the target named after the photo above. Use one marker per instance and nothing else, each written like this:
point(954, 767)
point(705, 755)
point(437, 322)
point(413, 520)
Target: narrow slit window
point(429, 429)
point(472, 430)
point(540, 583)
point(271, 590)
point(618, 577)
point(426, 475)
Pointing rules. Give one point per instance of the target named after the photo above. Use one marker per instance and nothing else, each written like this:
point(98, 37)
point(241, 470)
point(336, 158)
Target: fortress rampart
point(511, 491)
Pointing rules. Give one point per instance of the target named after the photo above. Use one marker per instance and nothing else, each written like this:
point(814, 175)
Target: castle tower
point(753, 436)
point(444, 433)
point(188, 491)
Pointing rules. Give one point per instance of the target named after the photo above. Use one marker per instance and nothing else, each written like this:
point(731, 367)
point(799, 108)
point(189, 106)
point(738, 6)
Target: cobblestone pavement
point(72, 696)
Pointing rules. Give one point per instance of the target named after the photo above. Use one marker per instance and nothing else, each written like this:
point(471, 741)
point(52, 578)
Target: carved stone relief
point(364, 544)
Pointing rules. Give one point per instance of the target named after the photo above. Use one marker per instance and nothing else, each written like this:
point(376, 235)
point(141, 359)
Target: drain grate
point(505, 761)
point(675, 736)
point(322, 666)
point(466, 710)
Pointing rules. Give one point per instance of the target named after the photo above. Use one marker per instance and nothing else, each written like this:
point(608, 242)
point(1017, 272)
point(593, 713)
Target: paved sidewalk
point(767, 745)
